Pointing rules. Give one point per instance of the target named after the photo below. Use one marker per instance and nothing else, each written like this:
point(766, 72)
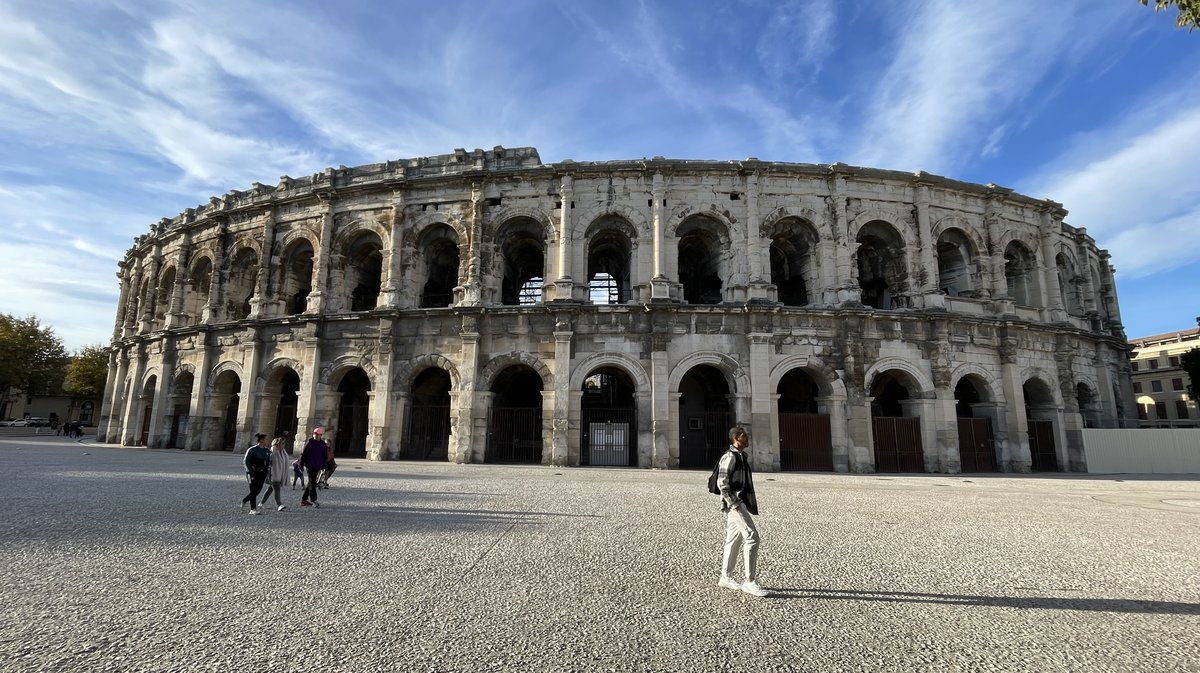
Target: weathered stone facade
point(482, 306)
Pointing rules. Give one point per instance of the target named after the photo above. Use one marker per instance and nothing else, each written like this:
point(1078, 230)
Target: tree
point(1189, 11)
point(1190, 361)
point(32, 359)
point(87, 373)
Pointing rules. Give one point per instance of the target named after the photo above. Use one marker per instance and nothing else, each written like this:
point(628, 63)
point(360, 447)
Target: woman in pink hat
point(313, 459)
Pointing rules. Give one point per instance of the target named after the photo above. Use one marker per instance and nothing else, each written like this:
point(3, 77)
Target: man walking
point(736, 483)
point(258, 463)
point(313, 459)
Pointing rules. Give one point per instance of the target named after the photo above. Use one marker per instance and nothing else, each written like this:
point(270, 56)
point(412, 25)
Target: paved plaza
point(138, 560)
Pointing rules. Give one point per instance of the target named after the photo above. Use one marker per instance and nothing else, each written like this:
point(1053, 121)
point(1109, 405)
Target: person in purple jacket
point(313, 459)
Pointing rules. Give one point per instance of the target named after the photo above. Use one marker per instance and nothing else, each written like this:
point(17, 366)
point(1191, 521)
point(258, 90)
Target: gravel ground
point(134, 560)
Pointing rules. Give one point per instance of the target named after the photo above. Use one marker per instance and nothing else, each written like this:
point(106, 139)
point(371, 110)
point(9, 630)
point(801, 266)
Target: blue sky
point(116, 114)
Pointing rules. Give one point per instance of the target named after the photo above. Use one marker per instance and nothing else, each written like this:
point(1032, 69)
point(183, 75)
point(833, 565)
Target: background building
point(482, 306)
point(1159, 384)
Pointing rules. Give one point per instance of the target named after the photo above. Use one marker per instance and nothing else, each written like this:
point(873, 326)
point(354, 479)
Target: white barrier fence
point(1147, 451)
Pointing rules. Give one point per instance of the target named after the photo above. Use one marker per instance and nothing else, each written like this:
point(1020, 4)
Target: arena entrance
point(350, 435)
point(287, 388)
point(976, 446)
point(805, 438)
point(608, 415)
point(704, 417)
point(181, 405)
point(428, 436)
point(227, 394)
point(147, 409)
point(515, 417)
point(1039, 414)
point(897, 437)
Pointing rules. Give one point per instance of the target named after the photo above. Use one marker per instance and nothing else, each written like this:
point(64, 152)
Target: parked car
point(38, 422)
point(7, 423)
point(19, 423)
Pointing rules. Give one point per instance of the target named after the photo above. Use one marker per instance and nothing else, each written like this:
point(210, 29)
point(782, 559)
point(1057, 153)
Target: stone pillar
point(130, 427)
point(1002, 302)
point(473, 294)
point(664, 425)
point(759, 284)
point(846, 271)
point(835, 406)
point(562, 389)
point(199, 424)
point(479, 426)
point(321, 262)
point(248, 407)
point(175, 316)
point(944, 418)
point(114, 404)
point(402, 407)
point(860, 433)
point(660, 285)
point(131, 307)
point(766, 444)
point(213, 310)
point(307, 401)
point(152, 290)
point(154, 438)
point(260, 303)
point(389, 293)
point(465, 444)
point(1015, 455)
point(1052, 294)
point(125, 282)
point(386, 431)
point(927, 269)
point(1086, 288)
point(563, 287)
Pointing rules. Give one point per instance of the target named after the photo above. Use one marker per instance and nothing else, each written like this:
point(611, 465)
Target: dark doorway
point(608, 410)
point(515, 419)
point(228, 393)
point(353, 414)
point(286, 421)
point(976, 448)
point(429, 417)
point(705, 417)
point(805, 436)
point(1039, 414)
point(897, 438)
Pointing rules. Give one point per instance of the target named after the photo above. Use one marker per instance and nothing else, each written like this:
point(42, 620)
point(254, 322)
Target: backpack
point(712, 480)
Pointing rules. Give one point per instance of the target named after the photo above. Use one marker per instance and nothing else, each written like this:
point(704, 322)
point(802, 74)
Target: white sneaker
point(255, 511)
point(754, 589)
point(281, 508)
point(729, 583)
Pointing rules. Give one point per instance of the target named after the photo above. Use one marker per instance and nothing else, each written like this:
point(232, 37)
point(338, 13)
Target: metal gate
point(897, 444)
point(703, 439)
point(976, 450)
point(805, 443)
point(428, 433)
point(1041, 446)
point(608, 437)
point(514, 435)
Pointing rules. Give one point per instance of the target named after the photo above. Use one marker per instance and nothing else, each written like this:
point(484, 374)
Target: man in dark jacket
point(313, 458)
point(258, 463)
point(736, 483)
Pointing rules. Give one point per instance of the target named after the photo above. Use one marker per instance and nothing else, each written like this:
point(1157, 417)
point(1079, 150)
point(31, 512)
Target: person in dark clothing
point(736, 483)
point(258, 465)
point(313, 457)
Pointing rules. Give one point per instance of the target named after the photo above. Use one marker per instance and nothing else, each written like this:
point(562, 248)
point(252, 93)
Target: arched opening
point(976, 445)
point(283, 387)
point(439, 248)
point(364, 271)
point(608, 413)
point(146, 301)
point(181, 405)
point(1040, 412)
point(297, 278)
point(705, 416)
point(523, 249)
point(429, 417)
point(162, 302)
point(1089, 405)
point(882, 272)
point(701, 242)
point(792, 260)
point(227, 391)
point(515, 418)
point(1020, 273)
point(243, 275)
point(148, 391)
point(199, 285)
point(805, 435)
point(1069, 284)
point(609, 254)
point(955, 263)
point(896, 432)
point(353, 414)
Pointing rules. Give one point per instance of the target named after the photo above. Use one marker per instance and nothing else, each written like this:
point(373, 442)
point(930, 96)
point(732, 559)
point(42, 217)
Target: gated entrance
point(427, 436)
point(286, 420)
point(515, 418)
point(976, 450)
point(897, 438)
point(608, 415)
point(350, 438)
point(1041, 446)
point(805, 438)
point(704, 417)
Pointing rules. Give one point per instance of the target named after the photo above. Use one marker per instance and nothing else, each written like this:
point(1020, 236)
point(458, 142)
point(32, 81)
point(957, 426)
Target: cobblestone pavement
point(129, 559)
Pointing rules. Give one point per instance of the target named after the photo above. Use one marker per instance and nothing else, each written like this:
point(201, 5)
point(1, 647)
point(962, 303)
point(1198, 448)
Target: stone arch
point(1043, 377)
point(636, 219)
point(273, 368)
point(684, 215)
point(426, 221)
point(333, 371)
point(721, 361)
point(351, 230)
point(818, 221)
point(823, 375)
point(499, 217)
point(969, 229)
point(919, 378)
point(609, 243)
point(295, 234)
point(494, 366)
point(992, 385)
point(408, 372)
point(625, 363)
point(221, 368)
point(871, 215)
point(150, 373)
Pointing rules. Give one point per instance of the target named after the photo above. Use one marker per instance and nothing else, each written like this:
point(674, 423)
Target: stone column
point(660, 285)
point(473, 294)
point(663, 424)
point(200, 426)
point(930, 294)
point(1002, 302)
point(402, 407)
point(152, 290)
point(213, 310)
point(1015, 455)
point(563, 287)
point(1052, 300)
point(766, 444)
point(321, 262)
point(562, 388)
point(846, 272)
point(130, 427)
point(114, 405)
point(260, 303)
point(248, 407)
point(175, 316)
point(307, 397)
point(154, 439)
point(389, 293)
point(465, 444)
point(386, 431)
point(759, 283)
point(124, 282)
point(134, 303)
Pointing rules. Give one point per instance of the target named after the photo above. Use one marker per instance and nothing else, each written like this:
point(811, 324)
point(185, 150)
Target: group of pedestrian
point(269, 464)
point(69, 429)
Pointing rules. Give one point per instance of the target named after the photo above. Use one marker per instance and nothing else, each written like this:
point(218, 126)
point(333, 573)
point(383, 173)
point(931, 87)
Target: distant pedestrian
point(258, 465)
point(278, 473)
point(313, 457)
point(736, 484)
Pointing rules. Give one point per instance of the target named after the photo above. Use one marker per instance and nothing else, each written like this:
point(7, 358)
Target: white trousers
point(740, 535)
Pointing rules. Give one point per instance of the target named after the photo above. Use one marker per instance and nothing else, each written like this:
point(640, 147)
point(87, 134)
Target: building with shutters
point(1159, 382)
point(485, 307)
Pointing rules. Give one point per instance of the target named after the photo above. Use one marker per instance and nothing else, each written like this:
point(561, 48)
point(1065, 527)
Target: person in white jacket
point(280, 464)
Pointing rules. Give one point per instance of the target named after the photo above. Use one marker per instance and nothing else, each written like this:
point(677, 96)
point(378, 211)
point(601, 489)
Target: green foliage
point(1189, 11)
point(87, 373)
point(1190, 361)
point(32, 359)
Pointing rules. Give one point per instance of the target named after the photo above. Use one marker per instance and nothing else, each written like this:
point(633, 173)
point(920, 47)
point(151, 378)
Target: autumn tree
point(1190, 361)
point(32, 359)
point(1189, 11)
point(87, 373)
